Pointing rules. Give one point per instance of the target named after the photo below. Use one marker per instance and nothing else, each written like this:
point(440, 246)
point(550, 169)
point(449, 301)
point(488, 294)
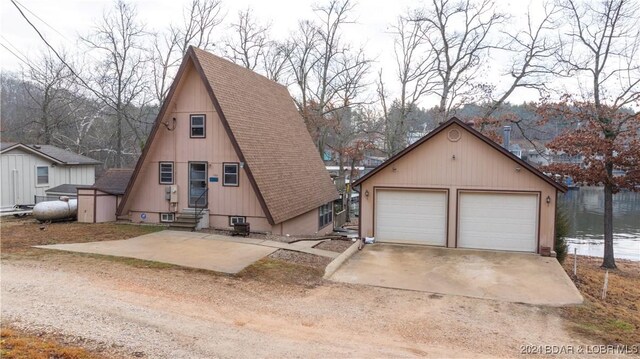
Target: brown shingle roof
point(268, 134)
point(56, 153)
point(272, 138)
point(114, 180)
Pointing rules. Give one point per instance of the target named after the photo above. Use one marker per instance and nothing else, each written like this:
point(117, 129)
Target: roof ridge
point(240, 67)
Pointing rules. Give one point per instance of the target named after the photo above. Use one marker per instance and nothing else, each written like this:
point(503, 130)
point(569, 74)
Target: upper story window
point(166, 172)
point(198, 126)
point(42, 175)
point(231, 174)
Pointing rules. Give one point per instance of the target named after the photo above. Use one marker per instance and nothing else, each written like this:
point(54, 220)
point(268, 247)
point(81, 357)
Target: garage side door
point(411, 216)
point(501, 221)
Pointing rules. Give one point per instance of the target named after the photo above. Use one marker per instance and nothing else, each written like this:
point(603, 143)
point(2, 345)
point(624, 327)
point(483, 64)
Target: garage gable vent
point(454, 135)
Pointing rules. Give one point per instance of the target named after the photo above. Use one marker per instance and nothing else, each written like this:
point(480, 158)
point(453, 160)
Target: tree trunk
point(119, 140)
point(608, 260)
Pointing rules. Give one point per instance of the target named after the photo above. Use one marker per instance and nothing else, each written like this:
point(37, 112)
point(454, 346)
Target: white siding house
point(27, 171)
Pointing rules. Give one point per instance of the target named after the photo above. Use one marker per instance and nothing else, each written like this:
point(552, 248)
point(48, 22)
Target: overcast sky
point(66, 19)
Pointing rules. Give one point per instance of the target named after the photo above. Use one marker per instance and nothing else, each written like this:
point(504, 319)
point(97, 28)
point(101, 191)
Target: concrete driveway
point(187, 249)
point(511, 277)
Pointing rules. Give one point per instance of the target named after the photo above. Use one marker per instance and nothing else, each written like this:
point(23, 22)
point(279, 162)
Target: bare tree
point(416, 77)
point(50, 85)
point(302, 49)
point(201, 17)
point(276, 61)
point(602, 44)
point(534, 50)
point(319, 62)
point(458, 33)
point(249, 42)
point(120, 76)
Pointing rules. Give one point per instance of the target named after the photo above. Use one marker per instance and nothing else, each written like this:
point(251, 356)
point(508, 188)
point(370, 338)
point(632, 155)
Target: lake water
point(585, 209)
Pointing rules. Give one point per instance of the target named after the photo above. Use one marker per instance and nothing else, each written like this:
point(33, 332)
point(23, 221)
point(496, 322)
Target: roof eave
point(474, 132)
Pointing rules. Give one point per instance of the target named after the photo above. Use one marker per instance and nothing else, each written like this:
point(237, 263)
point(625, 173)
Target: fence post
point(606, 284)
point(575, 261)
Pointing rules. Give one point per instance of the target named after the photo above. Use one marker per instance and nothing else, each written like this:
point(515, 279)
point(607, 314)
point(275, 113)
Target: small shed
point(457, 188)
point(98, 203)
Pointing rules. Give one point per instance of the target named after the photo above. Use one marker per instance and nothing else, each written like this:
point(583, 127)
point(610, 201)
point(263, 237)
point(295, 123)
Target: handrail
point(198, 213)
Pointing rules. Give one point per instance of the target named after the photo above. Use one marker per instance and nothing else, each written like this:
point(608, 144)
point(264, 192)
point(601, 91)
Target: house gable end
point(169, 141)
point(440, 131)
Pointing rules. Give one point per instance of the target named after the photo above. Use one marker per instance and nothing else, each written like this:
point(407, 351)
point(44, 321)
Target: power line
point(86, 85)
point(44, 22)
point(16, 55)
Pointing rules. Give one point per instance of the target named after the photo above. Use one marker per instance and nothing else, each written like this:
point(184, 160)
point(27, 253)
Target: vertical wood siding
point(148, 195)
point(18, 169)
point(476, 166)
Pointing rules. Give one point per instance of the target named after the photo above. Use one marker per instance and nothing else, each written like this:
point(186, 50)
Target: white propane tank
point(51, 210)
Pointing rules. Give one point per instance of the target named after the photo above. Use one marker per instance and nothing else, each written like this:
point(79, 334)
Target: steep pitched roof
point(474, 132)
point(268, 134)
point(114, 180)
point(54, 153)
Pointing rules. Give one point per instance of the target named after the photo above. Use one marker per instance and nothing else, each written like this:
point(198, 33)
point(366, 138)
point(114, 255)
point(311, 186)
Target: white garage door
point(411, 216)
point(499, 221)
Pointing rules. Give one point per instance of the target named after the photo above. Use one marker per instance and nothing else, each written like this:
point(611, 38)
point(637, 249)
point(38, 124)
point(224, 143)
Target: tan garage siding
point(466, 164)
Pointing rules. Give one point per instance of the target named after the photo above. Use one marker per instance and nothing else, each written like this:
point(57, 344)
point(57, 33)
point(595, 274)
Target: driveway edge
point(339, 260)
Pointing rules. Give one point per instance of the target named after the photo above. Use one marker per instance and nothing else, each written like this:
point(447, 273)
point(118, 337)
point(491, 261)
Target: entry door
point(411, 216)
point(197, 184)
point(502, 221)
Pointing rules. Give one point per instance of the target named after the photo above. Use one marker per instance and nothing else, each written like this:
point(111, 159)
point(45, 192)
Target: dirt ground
point(17, 235)
point(616, 319)
point(274, 308)
point(336, 245)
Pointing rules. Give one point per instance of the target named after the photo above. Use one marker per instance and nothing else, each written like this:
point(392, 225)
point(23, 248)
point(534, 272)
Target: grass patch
point(19, 235)
point(15, 344)
point(616, 319)
point(272, 270)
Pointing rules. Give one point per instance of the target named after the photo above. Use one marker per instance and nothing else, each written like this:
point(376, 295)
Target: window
point(198, 126)
point(167, 217)
point(42, 175)
point(230, 174)
point(237, 220)
point(166, 172)
point(325, 215)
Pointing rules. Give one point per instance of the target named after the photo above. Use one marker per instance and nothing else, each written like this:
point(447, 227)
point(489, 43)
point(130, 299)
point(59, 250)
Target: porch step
point(186, 220)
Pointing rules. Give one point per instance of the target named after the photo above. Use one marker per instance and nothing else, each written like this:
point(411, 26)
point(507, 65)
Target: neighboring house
point(457, 188)
point(99, 203)
point(28, 171)
point(232, 142)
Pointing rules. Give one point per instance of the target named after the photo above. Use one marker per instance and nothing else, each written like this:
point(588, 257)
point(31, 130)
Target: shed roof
point(485, 139)
point(268, 134)
point(54, 153)
point(114, 180)
point(64, 188)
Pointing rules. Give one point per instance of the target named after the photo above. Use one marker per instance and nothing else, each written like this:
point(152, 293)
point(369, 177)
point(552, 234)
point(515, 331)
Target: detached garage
point(457, 188)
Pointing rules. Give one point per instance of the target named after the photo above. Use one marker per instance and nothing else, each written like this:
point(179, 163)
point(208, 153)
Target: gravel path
point(173, 313)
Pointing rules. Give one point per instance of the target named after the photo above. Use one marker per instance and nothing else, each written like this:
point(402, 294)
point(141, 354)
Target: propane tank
point(64, 208)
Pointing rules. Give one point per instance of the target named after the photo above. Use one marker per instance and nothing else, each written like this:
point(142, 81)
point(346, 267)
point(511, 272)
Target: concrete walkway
point(504, 276)
point(192, 249)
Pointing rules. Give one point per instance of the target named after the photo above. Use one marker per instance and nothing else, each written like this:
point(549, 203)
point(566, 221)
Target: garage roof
point(471, 130)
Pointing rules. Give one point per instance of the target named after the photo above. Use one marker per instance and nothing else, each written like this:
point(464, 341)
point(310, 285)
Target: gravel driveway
point(174, 313)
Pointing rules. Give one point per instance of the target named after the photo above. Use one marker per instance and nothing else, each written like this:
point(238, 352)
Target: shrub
point(562, 230)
